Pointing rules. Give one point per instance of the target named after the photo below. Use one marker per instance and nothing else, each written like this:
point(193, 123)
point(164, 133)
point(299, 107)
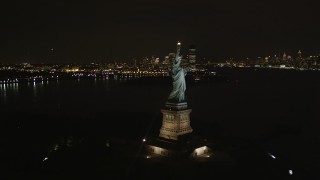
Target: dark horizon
point(120, 31)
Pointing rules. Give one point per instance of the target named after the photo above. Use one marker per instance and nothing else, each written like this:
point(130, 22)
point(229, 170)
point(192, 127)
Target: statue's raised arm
point(177, 94)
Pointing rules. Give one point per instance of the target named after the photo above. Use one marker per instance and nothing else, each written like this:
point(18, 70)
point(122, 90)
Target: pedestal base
point(175, 138)
point(177, 149)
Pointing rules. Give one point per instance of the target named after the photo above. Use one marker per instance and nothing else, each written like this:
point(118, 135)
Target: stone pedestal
point(176, 138)
point(176, 122)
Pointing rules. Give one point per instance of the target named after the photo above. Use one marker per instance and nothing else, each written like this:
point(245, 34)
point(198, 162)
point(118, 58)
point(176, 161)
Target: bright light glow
point(148, 157)
point(200, 150)
point(56, 147)
point(179, 44)
point(144, 140)
point(46, 158)
point(290, 172)
point(272, 156)
point(208, 156)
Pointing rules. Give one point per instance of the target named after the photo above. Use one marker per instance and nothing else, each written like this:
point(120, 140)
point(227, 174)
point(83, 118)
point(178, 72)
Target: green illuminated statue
point(177, 94)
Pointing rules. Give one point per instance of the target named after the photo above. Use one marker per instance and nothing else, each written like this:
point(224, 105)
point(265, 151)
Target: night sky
point(86, 31)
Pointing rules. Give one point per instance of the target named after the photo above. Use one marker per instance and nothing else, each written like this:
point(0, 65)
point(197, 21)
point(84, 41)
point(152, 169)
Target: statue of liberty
point(177, 94)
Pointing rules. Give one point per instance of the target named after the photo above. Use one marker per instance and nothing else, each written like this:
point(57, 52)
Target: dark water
point(277, 110)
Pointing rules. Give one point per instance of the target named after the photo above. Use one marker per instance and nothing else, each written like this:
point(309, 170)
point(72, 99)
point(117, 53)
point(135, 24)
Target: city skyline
point(196, 58)
point(57, 31)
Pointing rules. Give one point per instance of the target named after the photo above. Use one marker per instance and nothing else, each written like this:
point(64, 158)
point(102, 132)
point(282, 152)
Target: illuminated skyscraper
point(284, 57)
point(166, 60)
point(172, 56)
point(192, 57)
point(299, 54)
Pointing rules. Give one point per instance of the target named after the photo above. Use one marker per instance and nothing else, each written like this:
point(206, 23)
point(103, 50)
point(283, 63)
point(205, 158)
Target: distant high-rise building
point(156, 61)
point(284, 57)
point(166, 60)
point(299, 54)
point(145, 61)
point(192, 57)
point(153, 60)
point(172, 56)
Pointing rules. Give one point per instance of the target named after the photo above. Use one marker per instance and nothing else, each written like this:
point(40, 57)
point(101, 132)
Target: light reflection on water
point(68, 96)
point(49, 91)
point(7, 90)
point(3, 92)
